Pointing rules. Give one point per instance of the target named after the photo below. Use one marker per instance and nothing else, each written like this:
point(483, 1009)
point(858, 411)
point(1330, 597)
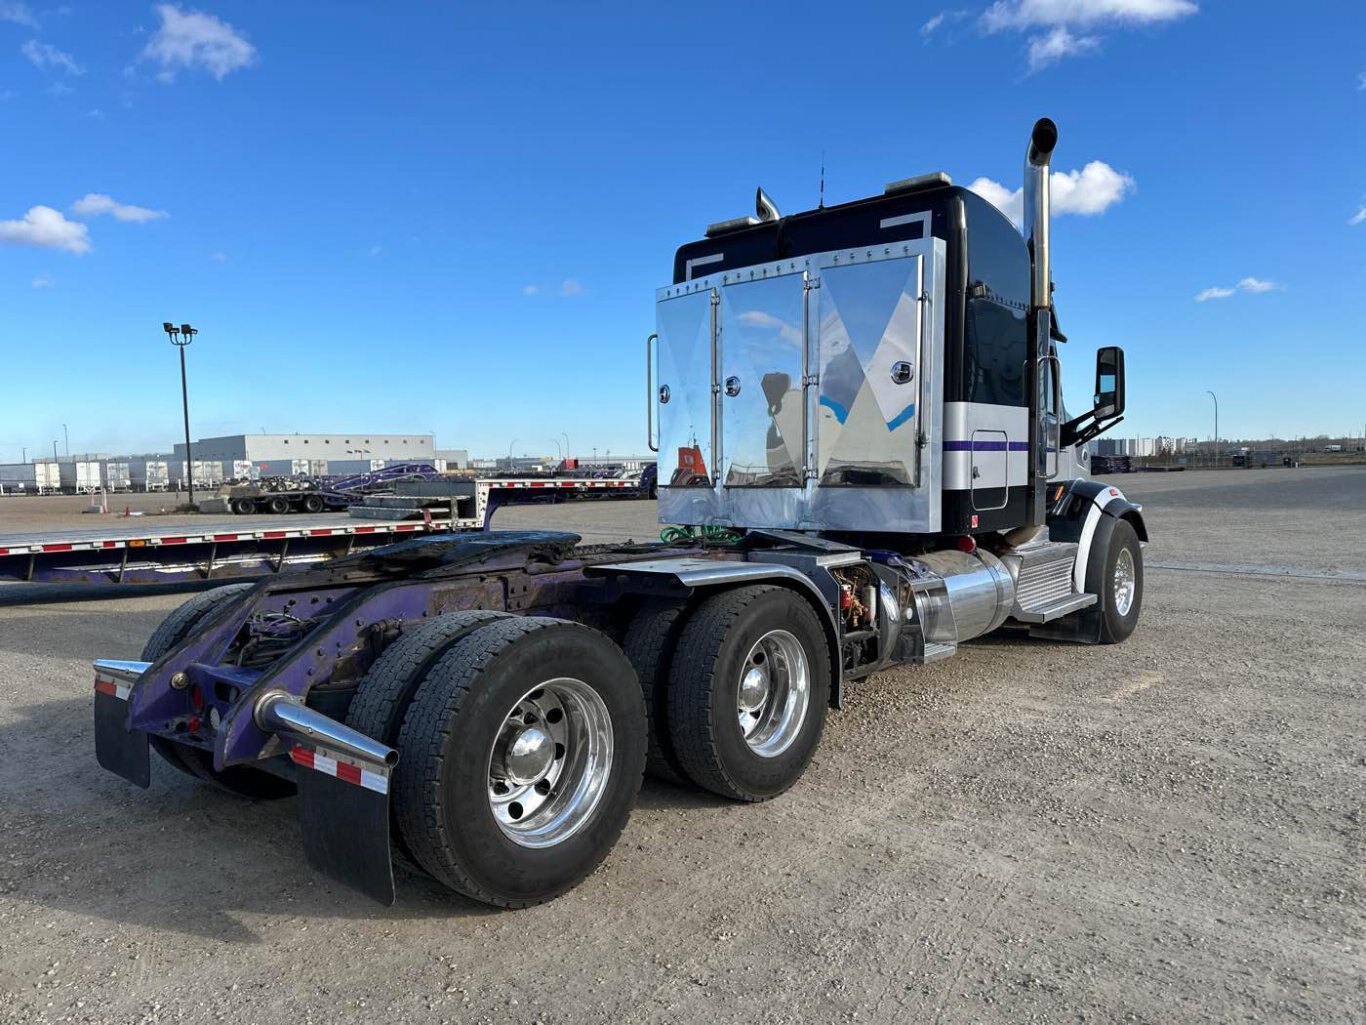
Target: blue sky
point(430, 216)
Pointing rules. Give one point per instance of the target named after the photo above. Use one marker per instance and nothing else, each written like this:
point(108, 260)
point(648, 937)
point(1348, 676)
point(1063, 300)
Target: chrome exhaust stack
point(1036, 210)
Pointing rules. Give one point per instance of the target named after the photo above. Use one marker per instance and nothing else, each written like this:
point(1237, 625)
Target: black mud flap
point(346, 833)
point(116, 749)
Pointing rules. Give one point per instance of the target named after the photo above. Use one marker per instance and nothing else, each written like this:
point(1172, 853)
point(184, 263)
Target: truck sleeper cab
point(859, 423)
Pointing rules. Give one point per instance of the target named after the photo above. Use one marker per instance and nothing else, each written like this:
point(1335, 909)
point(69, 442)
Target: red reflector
point(967, 544)
point(193, 724)
point(271, 535)
point(197, 698)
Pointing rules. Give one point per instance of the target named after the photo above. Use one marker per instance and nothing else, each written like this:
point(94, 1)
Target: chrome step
point(1043, 584)
point(1055, 610)
point(937, 652)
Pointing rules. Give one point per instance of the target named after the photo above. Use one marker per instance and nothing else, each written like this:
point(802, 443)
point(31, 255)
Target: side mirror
point(1109, 401)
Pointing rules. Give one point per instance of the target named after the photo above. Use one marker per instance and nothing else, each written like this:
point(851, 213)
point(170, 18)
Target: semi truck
point(867, 459)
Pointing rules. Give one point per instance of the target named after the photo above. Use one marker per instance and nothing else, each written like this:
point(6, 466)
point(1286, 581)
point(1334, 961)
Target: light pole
point(66, 440)
point(556, 443)
point(1216, 424)
point(25, 459)
point(565, 435)
point(181, 337)
point(510, 444)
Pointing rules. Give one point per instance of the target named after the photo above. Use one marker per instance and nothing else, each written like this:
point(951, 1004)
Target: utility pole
point(1216, 424)
point(181, 337)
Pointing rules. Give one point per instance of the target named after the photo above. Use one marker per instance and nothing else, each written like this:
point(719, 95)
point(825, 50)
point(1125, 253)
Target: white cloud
point(1060, 43)
point(1214, 293)
point(18, 13)
point(195, 40)
point(219, 257)
point(531, 289)
point(570, 287)
point(1057, 19)
point(1250, 286)
point(42, 281)
point(44, 226)
point(1358, 218)
point(1027, 14)
point(1090, 191)
point(47, 56)
point(1361, 81)
point(96, 113)
point(93, 204)
point(941, 19)
point(376, 250)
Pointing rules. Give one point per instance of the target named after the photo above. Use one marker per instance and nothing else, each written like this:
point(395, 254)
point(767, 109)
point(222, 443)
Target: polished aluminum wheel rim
point(774, 693)
point(550, 763)
point(1126, 582)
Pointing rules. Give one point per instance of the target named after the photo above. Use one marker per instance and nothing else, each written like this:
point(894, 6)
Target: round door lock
point(902, 372)
point(664, 394)
point(732, 386)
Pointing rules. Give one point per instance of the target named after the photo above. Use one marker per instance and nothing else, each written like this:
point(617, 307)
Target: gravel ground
point(1166, 831)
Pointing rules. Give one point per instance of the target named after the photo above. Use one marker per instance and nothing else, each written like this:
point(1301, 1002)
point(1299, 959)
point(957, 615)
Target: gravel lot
point(1166, 831)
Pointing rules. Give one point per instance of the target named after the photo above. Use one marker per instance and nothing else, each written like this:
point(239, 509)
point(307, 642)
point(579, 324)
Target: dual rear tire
point(736, 689)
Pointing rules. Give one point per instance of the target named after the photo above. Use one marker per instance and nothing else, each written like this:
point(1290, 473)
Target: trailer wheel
point(243, 506)
point(1118, 579)
point(520, 758)
point(748, 692)
point(313, 503)
point(193, 761)
point(650, 642)
point(278, 505)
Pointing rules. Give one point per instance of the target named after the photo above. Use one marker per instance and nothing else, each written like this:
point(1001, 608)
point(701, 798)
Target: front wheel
point(1118, 580)
point(520, 758)
point(748, 692)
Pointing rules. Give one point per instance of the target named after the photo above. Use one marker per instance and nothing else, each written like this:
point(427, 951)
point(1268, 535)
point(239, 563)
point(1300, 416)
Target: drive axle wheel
point(650, 643)
point(194, 761)
point(748, 692)
point(520, 758)
point(387, 689)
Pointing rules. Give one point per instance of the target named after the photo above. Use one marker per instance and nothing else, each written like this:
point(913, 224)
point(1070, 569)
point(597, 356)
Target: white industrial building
point(357, 446)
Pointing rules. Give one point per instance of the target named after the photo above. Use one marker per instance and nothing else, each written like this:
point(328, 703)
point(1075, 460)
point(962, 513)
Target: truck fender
point(1076, 516)
point(689, 576)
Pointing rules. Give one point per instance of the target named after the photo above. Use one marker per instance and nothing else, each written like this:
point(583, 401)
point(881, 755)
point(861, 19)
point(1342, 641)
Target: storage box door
point(871, 367)
point(761, 344)
point(686, 406)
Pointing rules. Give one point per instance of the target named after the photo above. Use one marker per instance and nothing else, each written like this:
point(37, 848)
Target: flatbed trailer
point(143, 552)
point(860, 416)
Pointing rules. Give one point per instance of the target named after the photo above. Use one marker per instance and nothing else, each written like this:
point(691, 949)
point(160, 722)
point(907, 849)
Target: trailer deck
point(141, 552)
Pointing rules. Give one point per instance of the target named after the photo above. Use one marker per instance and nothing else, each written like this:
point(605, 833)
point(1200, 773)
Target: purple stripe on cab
point(986, 446)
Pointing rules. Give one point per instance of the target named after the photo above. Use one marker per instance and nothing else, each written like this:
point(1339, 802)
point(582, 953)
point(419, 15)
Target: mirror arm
point(1087, 433)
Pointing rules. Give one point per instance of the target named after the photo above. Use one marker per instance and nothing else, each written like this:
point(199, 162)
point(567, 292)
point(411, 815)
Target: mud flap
point(346, 831)
point(116, 749)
